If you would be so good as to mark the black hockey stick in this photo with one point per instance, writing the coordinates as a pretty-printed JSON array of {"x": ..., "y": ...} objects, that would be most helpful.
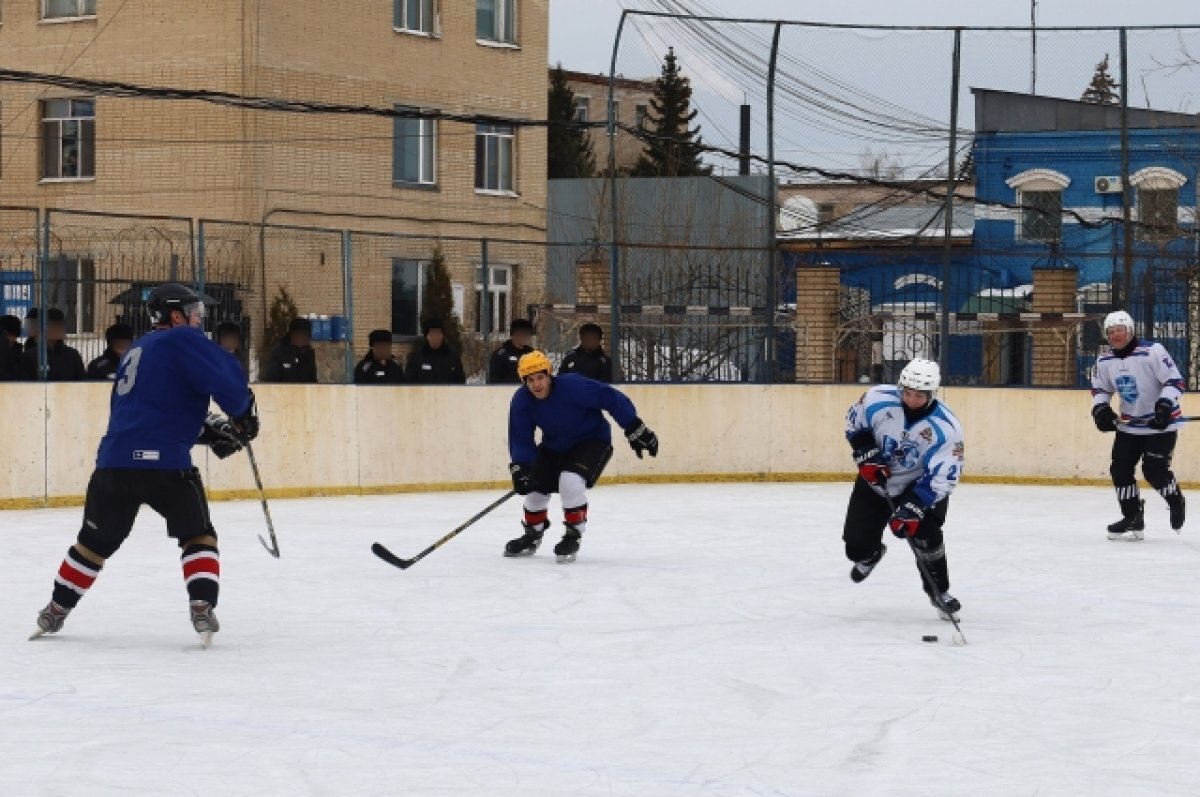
[
  {"x": 1141, "y": 423},
  {"x": 927, "y": 577},
  {"x": 273, "y": 548},
  {"x": 404, "y": 564}
]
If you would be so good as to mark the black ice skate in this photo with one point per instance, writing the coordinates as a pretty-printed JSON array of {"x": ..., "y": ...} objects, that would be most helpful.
[
  {"x": 568, "y": 546},
  {"x": 1130, "y": 527},
  {"x": 204, "y": 621},
  {"x": 50, "y": 620},
  {"x": 860, "y": 570},
  {"x": 525, "y": 545},
  {"x": 1177, "y": 504},
  {"x": 947, "y": 605}
]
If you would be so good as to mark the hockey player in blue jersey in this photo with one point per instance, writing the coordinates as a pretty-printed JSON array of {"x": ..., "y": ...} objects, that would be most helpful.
[
  {"x": 909, "y": 450},
  {"x": 159, "y": 410},
  {"x": 1149, "y": 384},
  {"x": 576, "y": 445}
]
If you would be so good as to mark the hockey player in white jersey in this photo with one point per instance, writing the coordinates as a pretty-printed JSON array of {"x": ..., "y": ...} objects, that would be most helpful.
[
  {"x": 909, "y": 450},
  {"x": 1149, "y": 384}
]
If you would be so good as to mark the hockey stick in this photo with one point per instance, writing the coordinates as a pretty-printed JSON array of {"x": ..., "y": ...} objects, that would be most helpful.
[
  {"x": 1143, "y": 423},
  {"x": 927, "y": 577},
  {"x": 273, "y": 548},
  {"x": 404, "y": 564}
]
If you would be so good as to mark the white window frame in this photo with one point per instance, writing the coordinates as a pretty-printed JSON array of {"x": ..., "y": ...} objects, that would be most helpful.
[
  {"x": 1037, "y": 181},
  {"x": 85, "y": 9},
  {"x": 58, "y": 292},
  {"x": 427, "y": 27},
  {"x": 583, "y": 108},
  {"x": 59, "y": 122},
  {"x": 506, "y": 16},
  {"x": 501, "y": 315},
  {"x": 1157, "y": 178},
  {"x": 641, "y": 113},
  {"x": 504, "y": 141},
  {"x": 1022, "y": 199},
  {"x": 427, "y": 140}
]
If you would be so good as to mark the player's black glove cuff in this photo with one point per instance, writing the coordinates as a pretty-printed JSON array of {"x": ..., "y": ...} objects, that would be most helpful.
[
  {"x": 246, "y": 424},
  {"x": 641, "y": 438},
  {"x": 1164, "y": 409},
  {"x": 522, "y": 478},
  {"x": 220, "y": 436},
  {"x": 1105, "y": 418}
]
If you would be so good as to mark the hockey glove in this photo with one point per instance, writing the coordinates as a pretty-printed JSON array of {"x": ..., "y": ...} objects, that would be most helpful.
[
  {"x": 641, "y": 438},
  {"x": 906, "y": 520},
  {"x": 522, "y": 477},
  {"x": 246, "y": 424},
  {"x": 871, "y": 467},
  {"x": 1163, "y": 410},
  {"x": 219, "y": 435},
  {"x": 1105, "y": 418}
]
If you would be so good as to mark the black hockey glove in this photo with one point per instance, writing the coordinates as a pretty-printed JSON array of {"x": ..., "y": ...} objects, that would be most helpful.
[
  {"x": 906, "y": 520},
  {"x": 871, "y": 467},
  {"x": 1105, "y": 418},
  {"x": 1163, "y": 410},
  {"x": 641, "y": 438},
  {"x": 522, "y": 476},
  {"x": 246, "y": 424},
  {"x": 219, "y": 435}
]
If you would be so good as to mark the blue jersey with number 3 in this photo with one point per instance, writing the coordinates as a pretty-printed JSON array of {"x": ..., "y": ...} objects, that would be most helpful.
[{"x": 161, "y": 397}]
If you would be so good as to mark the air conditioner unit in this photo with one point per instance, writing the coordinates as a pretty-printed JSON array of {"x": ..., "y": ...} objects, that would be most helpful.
[{"x": 1108, "y": 185}]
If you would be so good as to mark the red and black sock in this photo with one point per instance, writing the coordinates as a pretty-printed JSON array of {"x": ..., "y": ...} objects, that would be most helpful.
[
  {"x": 75, "y": 576},
  {"x": 202, "y": 572}
]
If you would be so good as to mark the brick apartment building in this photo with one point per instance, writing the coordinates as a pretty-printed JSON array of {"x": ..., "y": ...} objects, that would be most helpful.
[
  {"x": 195, "y": 160},
  {"x": 632, "y": 98}
]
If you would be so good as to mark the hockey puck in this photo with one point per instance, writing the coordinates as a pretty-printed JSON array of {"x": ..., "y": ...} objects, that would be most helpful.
[{"x": 929, "y": 638}]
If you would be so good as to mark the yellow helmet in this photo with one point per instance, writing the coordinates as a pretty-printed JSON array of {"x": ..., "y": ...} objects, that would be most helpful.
[{"x": 532, "y": 363}]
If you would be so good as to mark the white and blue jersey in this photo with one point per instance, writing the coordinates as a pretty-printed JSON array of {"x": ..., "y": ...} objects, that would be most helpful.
[
  {"x": 925, "y": 457},
  {"x": 1140, "y": 375},
  {"x": 571, "y": 414},
  {"x": 161, "y": 396}
]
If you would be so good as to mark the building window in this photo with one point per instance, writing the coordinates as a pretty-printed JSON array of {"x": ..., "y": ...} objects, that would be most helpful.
[
  {"x": 494, "y": 150},
  {"x": 616, "y": 111},
  {"x": 408, "y": 288},
  {"x": 640, "y": 114},
  {"x": 68, "y": 139},
  {"x": 1158, "y": 213},
  {"x": 71, "y": 287},
  {"x": 414, "y": 16},
  {"x": 1041, "y": 215},
  {"x": 414, "y": 150},
  {"x": 825, "y": 213},
  {"x": 499, "y": 291},
  {"x": 68, "y": 9},
  {"x": 582, "y": 104},
  {"x": 496, "y": 21}
]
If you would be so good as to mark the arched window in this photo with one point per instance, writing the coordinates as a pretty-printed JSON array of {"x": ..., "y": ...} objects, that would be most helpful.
[
  {"x": 1039, "y": 197},
  {"x": 1157, "y": 202}
]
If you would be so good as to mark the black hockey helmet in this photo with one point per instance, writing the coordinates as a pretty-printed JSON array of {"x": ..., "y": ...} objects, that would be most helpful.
[{"x": 172, "y": 296}]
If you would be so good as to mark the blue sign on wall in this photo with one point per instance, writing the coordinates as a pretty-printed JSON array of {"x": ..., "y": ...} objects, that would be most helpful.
[{"x": 17, "y": 292}]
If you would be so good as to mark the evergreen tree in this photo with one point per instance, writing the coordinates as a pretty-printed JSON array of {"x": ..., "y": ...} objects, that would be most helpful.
[
  {"x": 280, "y": 315},
  {"x": 1103, "y": 90},
  {"x": 437, "y": 300},
  {"x": 673, "y": 147},
  {"x": 569, "y": 146}
]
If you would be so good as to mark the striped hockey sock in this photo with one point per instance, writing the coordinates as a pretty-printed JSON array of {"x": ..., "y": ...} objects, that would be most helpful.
[
  {"x": 75, "y": 576},
  {"x": 202, "y": 572},
  {"x": 576, "y": 517},
  {"x": 536, "y": 519}
]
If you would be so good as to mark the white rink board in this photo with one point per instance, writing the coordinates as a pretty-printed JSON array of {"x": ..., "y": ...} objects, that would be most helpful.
[{"x": 708, "y": 642}]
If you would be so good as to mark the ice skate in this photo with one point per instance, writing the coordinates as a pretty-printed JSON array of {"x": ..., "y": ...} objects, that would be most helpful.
[
  {"x": 568, "y": 546},
  {"x": 50, "y": 620},
  {"x": 525, "y": 545},
  {"x": 204, "y": 621},
  {"x": 1130, "y": 527},
  {"x": 947, "y": 606},
  {"x": 1177, "y": 505},
  {"x": 860, "y": 570}
]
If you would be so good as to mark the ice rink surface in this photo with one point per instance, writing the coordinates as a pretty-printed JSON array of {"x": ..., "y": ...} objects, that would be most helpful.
[{"x": 707, "y": 642}]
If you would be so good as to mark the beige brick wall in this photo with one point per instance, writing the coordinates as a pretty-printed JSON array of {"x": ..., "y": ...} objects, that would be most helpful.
[
  {"x": 1054, "y": 342},
  {"x": 628, "y": 96}
]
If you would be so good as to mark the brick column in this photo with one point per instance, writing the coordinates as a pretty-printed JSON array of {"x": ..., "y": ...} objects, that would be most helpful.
[
  {"x": 593, "y": 284},
  {"x": 1054, "y": 342},
  {"x": 818, "y": 292}
]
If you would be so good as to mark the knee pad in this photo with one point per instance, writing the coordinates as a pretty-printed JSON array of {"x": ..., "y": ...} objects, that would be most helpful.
[
  {"x": 95, "y": 545},
  {"x": 572, "y": 488},
  {"x": 1122, "y": 472},
  {"x": 1157, "y": 469},
  {"x": 537, "y": 502}
]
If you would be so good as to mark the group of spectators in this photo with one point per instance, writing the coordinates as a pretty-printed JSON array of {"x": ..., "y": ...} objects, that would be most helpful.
[
  {"x": 587, "y": 359},
  {"x": 64, "y": 363}
]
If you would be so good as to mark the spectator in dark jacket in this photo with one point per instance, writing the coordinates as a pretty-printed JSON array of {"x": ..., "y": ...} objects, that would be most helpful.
[
  {"x": 31, "y": 329},
  {"x": 65, "y": 363},
  {"x": 379, "y": 367},
  {"x": 229, "y": 337},
  {"x": 293, "y": 359},
  {"x": 10, "y": 347},
  {"x": 588, "y": 358},
  {"x": 434, "y": 362},
  {"x": 119, "y": 338},
  {"x": 502, "y": 368}
]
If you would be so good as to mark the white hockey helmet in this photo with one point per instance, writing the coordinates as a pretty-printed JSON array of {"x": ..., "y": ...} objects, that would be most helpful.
[
  {"x": 1117, "y": 318},
  {"x": 921, "y": 375}
]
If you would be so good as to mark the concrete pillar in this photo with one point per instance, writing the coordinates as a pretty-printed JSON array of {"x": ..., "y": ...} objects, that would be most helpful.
[
  {"x": 818, "y": 293},
  {"x": 1054, "y": 348}
]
